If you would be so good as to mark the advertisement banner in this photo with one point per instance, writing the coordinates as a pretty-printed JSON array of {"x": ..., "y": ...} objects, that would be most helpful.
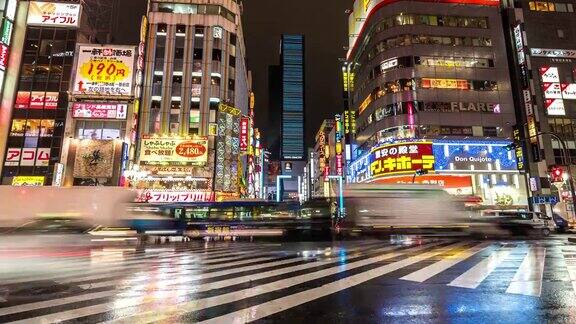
[
  {"x": 552, "y": 90},
  {"x": 244, "y": 131},
  {"x": 549, "y": 74},
  {"x": 99, "y": 110},
  {"x": 473, "y": 157},
  {"x": 105, "y": 70},
  {"x": 444, "y": 84},
  {"x": 401, "y": 158},
  {"x": 152, "y": 196},
  {"x": 94, "y": 159},
  {"x": 454, "y": 184},
  {"x": 28, "y": 181},
  {"x": 4, "y": 51},
  {"x": 28, "y": 156},
  {"x": 568, "y": 91},
  {"x": 553, "y": 52},
  {"x": 554, "y": 107},
  {"x": 155, "y": 150},
  {"x": 36, "y": 100},
  {"x": 53, "y": 14}
]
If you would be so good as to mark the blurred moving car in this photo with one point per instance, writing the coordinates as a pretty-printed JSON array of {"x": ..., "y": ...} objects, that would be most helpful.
[
  {"x": 402, "y": 209},
  {"x": 514, "y": 222}
]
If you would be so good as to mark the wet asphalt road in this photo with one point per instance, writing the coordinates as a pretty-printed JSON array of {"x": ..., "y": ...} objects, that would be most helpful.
[{"x": 361, "y": 281}]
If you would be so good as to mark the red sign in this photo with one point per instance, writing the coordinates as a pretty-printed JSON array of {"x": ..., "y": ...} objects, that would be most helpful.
[
  {"x": 28, "y": 156},
  {"x": 244, "y": 122},
  {"x": 339, "y": 164},
  {"x": 36, "y": 100},
  {"x": 99, "y": 110},
  {"x": 190, "y": 149},
  {"x": 4, "y": 50},
  {"x": 401, "y": 158}
]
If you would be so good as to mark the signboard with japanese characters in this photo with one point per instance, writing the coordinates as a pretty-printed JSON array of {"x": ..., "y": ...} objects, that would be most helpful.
[
  {"x": 53, "y": 14},
  {"x": 155, "y": 150},
  {"x": 401, "y": 158},
  {"x": 36, "y": 100},
  {"x": 27, "y": 156},
  {"x": 28, "y": 181},
  {"x": 106, "y": 70},
  {"x": 568, "y": 91},
  {"x": 554, "y": 107},
  {"x": 549, "y": 74},
  {"x": 552, "y": 90},
  {"x": 553, "y": 52},
  {"x": 152, "y": 196},
  {"x": 244, "y": 131},
  {"x": 99, "y": 110}
]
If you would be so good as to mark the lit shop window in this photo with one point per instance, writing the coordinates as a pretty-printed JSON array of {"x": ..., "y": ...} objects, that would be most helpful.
[
  {"x": 408, "y": 40},
  {"x": 551, "y": 6},
  {"x": 431, "y": 20},
  {"x": 32, "y": 127}
]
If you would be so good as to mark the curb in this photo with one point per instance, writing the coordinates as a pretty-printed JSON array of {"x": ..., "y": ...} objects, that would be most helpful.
[{"x": 572, "y": 239}]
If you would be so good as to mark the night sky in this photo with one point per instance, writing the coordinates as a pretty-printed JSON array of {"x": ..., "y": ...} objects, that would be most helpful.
[{"x": 324, "y": 24}]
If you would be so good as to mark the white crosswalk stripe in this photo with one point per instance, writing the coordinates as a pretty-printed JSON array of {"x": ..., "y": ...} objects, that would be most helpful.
[
  {"x": 263, "y": 282},
  {"x": 473, "y": 277},
  {"x": 528, "y": 278}
]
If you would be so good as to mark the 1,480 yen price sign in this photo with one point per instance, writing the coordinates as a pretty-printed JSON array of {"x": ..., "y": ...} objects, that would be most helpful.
[{"x": 107, "y": 71}]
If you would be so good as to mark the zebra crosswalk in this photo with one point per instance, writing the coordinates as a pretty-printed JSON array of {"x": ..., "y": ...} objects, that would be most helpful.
[{"x": 246, "y": 282}]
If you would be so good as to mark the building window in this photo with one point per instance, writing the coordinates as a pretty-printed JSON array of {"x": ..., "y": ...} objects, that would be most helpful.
[
  {"x": 216, "y": 54},
  {"x": 198, "y": 53},
  {"x": 560, "y": 33}
]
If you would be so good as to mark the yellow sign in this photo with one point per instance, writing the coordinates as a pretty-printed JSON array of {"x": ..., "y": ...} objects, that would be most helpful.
[
  {"x": 174, "y": 150},
  {"x": 366, "y": 4},
  {"x": 348, "y": 78},
  {"x": 365, "y": 104},
  {"x": 229, "y": 109},
  {"x": 105, "y": 70},
  {"x": 212, "y": 129},
  {"x": 33, "y": 181},
  {"x": 252, "y": 100},
  {"x": 444, "y": 83}
]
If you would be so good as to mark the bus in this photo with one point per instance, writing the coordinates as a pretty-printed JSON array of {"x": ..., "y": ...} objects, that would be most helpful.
[{"x": 232, "y": 218}]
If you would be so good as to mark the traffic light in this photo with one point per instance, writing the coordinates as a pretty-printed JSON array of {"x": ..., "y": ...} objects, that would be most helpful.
[
  {"x": 512, "y": 146},
  {"x": 556, "y": 174}
]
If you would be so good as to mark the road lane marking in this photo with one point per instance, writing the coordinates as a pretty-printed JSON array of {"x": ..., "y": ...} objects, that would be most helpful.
[
  {"x": 170, "y": 279},
  {"x": 277, "y": 305},
  {"x": 528, "y": 278},
  {"x": 435, "y": 268},
  {"x": 475, "y": 275},
  {"x": 143, "y": 300}
]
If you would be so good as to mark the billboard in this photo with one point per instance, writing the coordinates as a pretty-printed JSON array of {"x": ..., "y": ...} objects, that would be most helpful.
[
  {"x": 104, "y": 70},
  {"x": 27, "y": 156},
  {"x": 552, "y": 90},
  {"x": 155, "y": 150},
  {"x": 554, "y": 107},
  {"x": 99, "y": 110},
  {"x": 30, "y": 181},
  {"x": 53, "y": 14},
  {"x": 401, "y": 158},
  {"x": 36, "y": 100},
  {"x": 549, "y": 74},
  {"x": 482, "y": 156},
  {"x": 244, "y": 133}
]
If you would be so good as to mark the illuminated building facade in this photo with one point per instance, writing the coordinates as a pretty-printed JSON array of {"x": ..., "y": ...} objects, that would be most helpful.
[
  {"x": 431, "y": 81},
  {"x": 542, "y": 47},
  {"x": 36, "y": 90},
  {"x": 293, "y": 111},
  {"x": 195, "y": 93}
]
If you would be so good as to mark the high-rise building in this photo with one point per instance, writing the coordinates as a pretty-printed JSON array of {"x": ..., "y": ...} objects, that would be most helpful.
[
  {"x": 293, "y": 102},
  {"x": 431, "y": 92},
  {"x": 36, "y": 91},
  {"x": 542, "y": 44},
  {"x": 195, "y": 91}
]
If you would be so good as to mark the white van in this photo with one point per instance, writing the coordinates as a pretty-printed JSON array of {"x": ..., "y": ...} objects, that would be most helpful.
[{"x": 516, "y": 222}]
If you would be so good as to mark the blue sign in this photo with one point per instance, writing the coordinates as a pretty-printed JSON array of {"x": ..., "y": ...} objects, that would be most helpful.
[
  {"x": 544, "y": 200},
  {"x": 473, "y": 156}
]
